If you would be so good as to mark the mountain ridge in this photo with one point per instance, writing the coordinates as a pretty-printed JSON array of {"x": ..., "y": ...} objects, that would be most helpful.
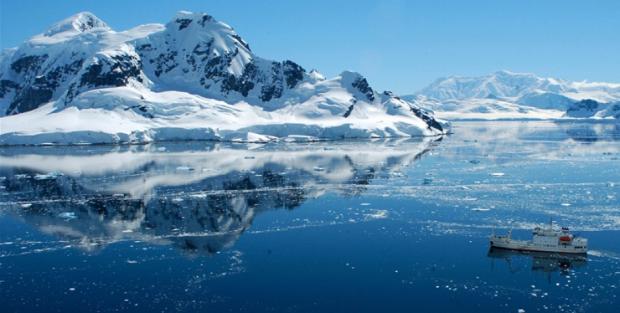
[
  {"x": 506, "y": 94},
  {"x": 220, "y": 90}
]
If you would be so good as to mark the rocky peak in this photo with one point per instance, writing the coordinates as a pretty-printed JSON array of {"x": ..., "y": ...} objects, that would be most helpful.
[
  {"x": 81, "y": 22},
  {"x": 204, "y": 27},
  {"x": 358, "y": 84}
]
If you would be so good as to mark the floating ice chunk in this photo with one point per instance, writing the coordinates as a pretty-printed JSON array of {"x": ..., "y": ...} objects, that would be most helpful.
[
  {"x": 497, "y": 174},
  {"x": 318, "y": 169},
  {"x": 364, "y": 204},
  {"x": 72, "y": 289},
  {"x": 480, "y": 209},
  {"x": 67, "y": 215},
  {"x": 184, "y": 168},
  {"x": 46, "y": 176},
  {"x": 132, "y": 262},
  {"x": 565, "y": 204},
  {"x": 378, "y": 214},
  {"x": 26, "y": 205}
]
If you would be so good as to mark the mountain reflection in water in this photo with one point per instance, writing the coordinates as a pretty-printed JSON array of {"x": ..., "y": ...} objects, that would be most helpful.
[{"x": 197, "y": 198}]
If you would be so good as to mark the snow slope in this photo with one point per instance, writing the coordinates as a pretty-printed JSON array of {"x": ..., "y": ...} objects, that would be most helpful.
[
  {"x": 508, "y": 95},
  {"x": 193, "y": 78}
]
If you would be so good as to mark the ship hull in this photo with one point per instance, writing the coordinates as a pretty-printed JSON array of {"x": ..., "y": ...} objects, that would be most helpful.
[{"x": 519, "y": 245}]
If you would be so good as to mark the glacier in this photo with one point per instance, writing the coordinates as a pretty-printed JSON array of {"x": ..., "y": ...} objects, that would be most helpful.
[{"x": 194, "y": 78}]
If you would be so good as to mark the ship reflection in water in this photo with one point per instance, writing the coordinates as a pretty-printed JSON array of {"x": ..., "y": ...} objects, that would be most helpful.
[{"x": 547, "y": 262}]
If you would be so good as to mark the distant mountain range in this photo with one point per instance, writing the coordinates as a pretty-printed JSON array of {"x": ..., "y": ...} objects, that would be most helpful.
[
  {"x": 194, "y": 78},
  {"x": 505, "y": 94}
]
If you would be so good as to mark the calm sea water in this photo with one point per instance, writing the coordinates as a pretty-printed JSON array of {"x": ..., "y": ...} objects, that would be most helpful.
[{"x": 383, "y": 226}]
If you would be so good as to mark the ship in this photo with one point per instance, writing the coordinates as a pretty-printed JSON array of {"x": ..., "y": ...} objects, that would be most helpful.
[{"x": 544, "y": 239}]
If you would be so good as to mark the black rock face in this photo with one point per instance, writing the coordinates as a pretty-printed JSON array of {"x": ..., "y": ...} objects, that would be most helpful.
[
  {"x": 241, "y": 41},
  {"x": 118, "y": 70},
  {"x": 293, "y": 73},
  {"x": 7, "y": 86},
  {"x": 587, "y": 104},
  {"x": 349, "y": 110},
  {"x": 429, "y": 120},
  {"x": 114, "y": 71},
  {"x": 183, "y": 22},
  {"x": 38, "y": 85},
  {"x": 28, "y": 64},
  {"x": 242, "y": 84},
  {"x": 165, "y": 62},
  {"x": 205, "y": 19},
  {"x": 362, "y": 85},
  {"x": 275, "y": 89},
  {"x": 29, "y": 99}
]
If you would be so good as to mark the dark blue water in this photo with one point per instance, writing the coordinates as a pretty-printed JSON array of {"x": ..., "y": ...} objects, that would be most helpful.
[{"x": 391, "y": 226}]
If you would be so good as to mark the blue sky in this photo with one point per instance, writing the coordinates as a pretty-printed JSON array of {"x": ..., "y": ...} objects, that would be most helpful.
[{"x": 398, "y": 45}]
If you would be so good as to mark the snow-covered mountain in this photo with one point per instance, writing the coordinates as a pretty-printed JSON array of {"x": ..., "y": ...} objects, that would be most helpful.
[
  {"x": 192, "y": 78},
  {"x": 505, "y": 94}
]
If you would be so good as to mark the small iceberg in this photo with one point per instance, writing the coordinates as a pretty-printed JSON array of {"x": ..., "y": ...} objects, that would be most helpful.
[
  {"x": 67, "y": 215},
  {"x": 378, "y": 214},
  {"x": 480, "y": 209},
  {"x": 51, "y": 175},
  {"x": 184, "y": 168}
]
